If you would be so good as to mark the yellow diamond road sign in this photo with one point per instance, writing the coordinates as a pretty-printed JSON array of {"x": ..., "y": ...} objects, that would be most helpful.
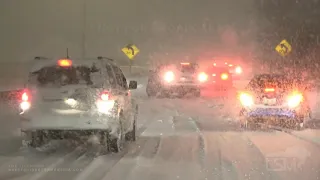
[
  {"x": 283, "y": 48},
  {"x": 130, "y": 51}
]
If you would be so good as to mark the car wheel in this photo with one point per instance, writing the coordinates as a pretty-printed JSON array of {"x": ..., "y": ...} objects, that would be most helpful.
[
  {"x": 150, "y": 93},
  {"x": 248, "y": 125},
  {"x": 300, "y": 124},
  {"x": 197, "y": 93},
  {"x": 115, "y": 143},
  {"x": 37, "y": 139},
  {"x": 131, "y": 135}
]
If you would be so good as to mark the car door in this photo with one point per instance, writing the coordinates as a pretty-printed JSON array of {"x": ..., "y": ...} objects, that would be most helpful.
[{"x": 125, "y": 97}]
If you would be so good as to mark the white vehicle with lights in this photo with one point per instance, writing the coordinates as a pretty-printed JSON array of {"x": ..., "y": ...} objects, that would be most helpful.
[
  {"x": 180, "y": 79},
  {"x": 274, "y": 98},
  {"x": 70, "y": 98}
]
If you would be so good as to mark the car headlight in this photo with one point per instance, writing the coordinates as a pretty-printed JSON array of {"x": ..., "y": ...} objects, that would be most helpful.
[
  {"x": 246, "y": 99},
  {"x": 169, "y": 76},
  {"x": 294, "y": 100},
  {"x": 202, "y": 77}
]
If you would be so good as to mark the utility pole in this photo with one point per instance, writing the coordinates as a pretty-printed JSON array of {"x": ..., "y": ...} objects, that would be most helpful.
[{"x": 84, "y": 28}]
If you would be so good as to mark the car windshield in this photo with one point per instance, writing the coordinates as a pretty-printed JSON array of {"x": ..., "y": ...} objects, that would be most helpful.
[
  {"x": 188, "y": 68},
  {"x": 273, "y": 81}
]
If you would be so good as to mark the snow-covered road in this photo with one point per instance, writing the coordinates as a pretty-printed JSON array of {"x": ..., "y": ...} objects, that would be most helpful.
[{"x": 189, "y": 139}]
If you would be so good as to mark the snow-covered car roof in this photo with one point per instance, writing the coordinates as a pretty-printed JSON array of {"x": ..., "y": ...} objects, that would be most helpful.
[{"x": 42, "y": 62}]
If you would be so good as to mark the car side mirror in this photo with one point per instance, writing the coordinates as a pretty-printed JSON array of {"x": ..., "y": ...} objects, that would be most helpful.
[{"x": 133, "y": 85}]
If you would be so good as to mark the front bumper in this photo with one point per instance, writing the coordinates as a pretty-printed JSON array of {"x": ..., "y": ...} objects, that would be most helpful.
[
  {"x": 266, "y": 113},
  {"x": 270, "y": 113}
]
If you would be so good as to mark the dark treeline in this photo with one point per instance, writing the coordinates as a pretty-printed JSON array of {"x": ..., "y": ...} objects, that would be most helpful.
[{"x": 294, "y": 20}]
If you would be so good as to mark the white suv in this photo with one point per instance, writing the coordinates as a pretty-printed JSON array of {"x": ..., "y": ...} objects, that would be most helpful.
[{"x": 76, "y": 97}]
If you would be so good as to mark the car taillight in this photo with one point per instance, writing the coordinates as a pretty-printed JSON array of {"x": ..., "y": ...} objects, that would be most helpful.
[
  {"x": 105, "y": 103},
  {"x": 294, "y": 100},
  {"x": 224, "y": 76},
  {"x": 246, "y": 99},
  {"x": 25, "y": 101},
  {"x": 25, "y": 96},
  {"x": 169, "y": 76},
  {"x": 202, "y": 77},
  {"x": 238, "y": 70},
  {"x": 104, "y": 96}
]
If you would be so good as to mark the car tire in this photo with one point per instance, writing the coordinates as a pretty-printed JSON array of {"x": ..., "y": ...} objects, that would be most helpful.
[
  {"x": 197, "y": 93},
  {"x": 301, "y": 125},
  {"x": 115, "y": 144},
  {"x": 131, "y": 135},
  {"x": 37, "y": 139},
  {"x": 248, "y": 125},
  {"x": 150, "y": 93}
]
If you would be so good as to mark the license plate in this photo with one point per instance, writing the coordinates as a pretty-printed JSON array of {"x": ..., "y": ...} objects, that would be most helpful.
[
  {"x": 182, "y": 79},
  {"x": 268, "y": 101}
]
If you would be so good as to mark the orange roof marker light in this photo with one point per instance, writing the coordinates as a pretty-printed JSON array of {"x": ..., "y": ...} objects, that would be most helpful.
[
  {"x": 65, "y": 63},
  {"x": 269, "y": 90}
]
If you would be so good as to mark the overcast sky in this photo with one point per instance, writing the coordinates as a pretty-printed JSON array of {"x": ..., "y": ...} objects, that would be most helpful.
[{"x": 47, "y": 27}]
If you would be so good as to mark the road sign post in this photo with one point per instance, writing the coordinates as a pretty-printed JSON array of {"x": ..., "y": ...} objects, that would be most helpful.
[{"x": 130, "y": 51}]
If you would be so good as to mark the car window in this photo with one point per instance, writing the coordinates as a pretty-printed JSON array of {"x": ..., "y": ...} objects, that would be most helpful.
[
  {"x": 120, "y": 78},
  {"x": 277, "y": 81},
  {"x": 110, "y": 72},
  {"x": 188, "y": 68}
]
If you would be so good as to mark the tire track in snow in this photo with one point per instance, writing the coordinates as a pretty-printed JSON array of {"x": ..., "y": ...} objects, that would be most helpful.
[
  {"x": 290, "y": 132},
  {"x": 127, "y": 164},
  {"x": 58, "y": 162}
]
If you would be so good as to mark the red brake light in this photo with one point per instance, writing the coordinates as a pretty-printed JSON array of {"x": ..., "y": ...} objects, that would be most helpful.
[
  {"x": 224, "y": 76},
  {"x": 238, "y": 70},
  {"x": 105, "y": 96},
  {"x": 25, "y": 101},
  {"x": 269, "y": 89},
  {"x": 203, "y": 77},
  {"x": 25, "y": 96},
  {"x": 64, "y": 62}
]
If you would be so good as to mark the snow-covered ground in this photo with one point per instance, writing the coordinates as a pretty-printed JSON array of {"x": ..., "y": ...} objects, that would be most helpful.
[{"x": 191, "y": 138}]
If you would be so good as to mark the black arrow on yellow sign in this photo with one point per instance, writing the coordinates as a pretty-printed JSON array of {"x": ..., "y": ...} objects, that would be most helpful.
[
  {"x": 284, "y": 47},
  {"x": 130, "y": 48}
]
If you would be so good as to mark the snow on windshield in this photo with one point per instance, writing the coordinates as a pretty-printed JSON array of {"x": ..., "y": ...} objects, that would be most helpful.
[{"x": 58, "y": 76}]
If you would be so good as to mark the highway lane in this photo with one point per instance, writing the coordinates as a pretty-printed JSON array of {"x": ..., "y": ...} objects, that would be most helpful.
[{"x": 192, "y": 138}]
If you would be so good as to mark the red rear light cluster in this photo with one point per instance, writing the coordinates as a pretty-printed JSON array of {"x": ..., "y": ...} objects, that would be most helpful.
[
  {"x": 105, "y": 96},
  {"x": 202, "y": 77},
  {"x": 25, "y": 101},
  {"x": 238, "y": 70},
  {"x": 105, "y": 103},
  {"x": 25, "y": 96},
  {"x": 224, "y": 76}
]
